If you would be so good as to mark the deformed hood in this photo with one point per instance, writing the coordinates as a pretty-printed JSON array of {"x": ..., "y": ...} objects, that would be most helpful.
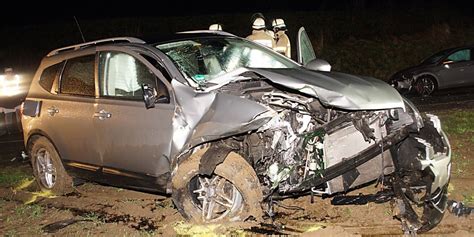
[{"x": 336, "y": 89}]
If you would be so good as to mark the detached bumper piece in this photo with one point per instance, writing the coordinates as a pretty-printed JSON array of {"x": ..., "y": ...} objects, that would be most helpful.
[{"x": 459, "y": 209}]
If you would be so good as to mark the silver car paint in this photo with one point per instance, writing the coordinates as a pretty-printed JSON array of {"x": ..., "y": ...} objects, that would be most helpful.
[
  {"x": 146, "y": 146},
  {"x": 333, "y": 89},
  {"x": 71, "y": 123},
  {"x": 439, "y": 163},
  {"x": 206, "y": 116},
  {"x": 202, "y": 116}
]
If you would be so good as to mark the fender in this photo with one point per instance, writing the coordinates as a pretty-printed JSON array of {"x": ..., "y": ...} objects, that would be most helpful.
[{"x": 215, "y": 155}]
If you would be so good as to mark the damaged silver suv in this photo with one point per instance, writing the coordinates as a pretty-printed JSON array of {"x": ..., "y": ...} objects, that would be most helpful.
[{"x": 225, "y": 126}]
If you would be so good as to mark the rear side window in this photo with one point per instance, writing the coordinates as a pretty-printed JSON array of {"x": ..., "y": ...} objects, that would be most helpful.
[
  {"x": 78, "y": 76},
  {"x": 49, "y": 77}
]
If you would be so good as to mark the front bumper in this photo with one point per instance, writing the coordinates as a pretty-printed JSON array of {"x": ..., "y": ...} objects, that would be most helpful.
[{"x": 438, "y": 162}]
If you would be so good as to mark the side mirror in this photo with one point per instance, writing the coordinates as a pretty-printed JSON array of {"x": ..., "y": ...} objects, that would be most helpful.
[
  {"x": 149, "y": 96},
  {"x": 318, "y": 65},
  {"x": 446, "y": 63}
]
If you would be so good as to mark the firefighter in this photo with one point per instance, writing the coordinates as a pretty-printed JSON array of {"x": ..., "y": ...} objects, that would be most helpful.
[
  {"x": 259, "y": 34},
  {"x": 282, "y": 41}
]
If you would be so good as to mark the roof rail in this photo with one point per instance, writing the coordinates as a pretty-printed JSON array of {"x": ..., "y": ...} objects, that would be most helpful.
[
  {"x": 215, "y": 32},
  {"x": 78, "y": 46}
]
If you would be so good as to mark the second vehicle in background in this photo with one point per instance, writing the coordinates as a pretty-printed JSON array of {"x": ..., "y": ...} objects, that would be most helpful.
[{"x": 448, "y": 68}]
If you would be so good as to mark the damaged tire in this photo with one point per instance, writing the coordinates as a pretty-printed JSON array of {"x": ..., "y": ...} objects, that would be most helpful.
[
  {"x": 231, "y": 193},
  {"x": 48, "y": 169}
]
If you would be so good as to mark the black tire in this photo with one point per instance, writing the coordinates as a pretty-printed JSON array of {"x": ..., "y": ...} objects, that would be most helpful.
[
  {"x": 425, "y": 85},
  {"x": 237, "y": 175},
  {"x": 48, "y": 169}
]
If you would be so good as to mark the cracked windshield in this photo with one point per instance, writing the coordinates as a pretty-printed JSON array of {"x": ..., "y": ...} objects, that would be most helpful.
[{"x": 205, "y": 59}]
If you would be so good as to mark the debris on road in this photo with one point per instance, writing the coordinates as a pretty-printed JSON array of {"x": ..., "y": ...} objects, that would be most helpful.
[
  {"x": 55, "y": 226},
  {"x": 379, "y": 197},
  {"x": 459, "y": 209}
]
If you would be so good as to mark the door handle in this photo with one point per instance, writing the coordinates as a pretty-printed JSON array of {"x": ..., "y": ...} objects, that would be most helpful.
[
  {"x": 102, "y": 114},
  {"x": 52, "y": 111}
]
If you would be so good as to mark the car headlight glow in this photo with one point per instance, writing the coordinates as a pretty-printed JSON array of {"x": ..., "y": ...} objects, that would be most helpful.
[{"x": 9, "y": 87}]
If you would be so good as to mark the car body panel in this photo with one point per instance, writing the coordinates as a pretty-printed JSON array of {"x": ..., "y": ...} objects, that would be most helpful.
[
  {"x": 146, "y": 146},
  {"x": 134, "y": 138},
  {"x": 71, "y": 124},
  {"x": 206, "y": 116},
  {"x": 333, "y": 89}
]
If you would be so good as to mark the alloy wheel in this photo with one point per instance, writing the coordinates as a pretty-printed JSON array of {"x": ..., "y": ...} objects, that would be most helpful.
[
  {"x": 45, "y": 168},
  {"x": 216, "y": 197}
]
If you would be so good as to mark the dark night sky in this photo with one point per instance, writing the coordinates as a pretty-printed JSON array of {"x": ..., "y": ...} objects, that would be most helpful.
[
  {"x": 14, "y": 12},
  {"x": 32, "y": 23}
]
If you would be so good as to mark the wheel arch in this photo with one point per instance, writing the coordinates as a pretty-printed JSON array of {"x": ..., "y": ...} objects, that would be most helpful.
[
  {"x": 180, "y": 179},
  {"x": 33, "y": 135},
  {"x": 217, "y": 152}
]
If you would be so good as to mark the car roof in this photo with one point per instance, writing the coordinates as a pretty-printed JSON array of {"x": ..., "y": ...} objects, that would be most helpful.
[
  {"x": 456, "y": 48},
  {"x": 136, "y": 41}
]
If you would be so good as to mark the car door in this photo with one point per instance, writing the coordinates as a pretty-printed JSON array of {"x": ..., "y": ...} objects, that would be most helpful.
[
  {"x": 68, "y": 115},
  {"x": 458, "y": 69},
  {"x": 134, "y": 140},
  {"x": 304, "y": 48}
]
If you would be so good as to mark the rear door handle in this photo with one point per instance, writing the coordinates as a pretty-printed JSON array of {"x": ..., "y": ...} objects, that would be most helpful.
[
  {"x": 52, "y": 111},
  {"x": 102, "y": 114}
]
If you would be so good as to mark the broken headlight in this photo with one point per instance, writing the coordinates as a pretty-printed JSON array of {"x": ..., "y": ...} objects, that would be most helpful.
[{"x": 413, "y": 111}]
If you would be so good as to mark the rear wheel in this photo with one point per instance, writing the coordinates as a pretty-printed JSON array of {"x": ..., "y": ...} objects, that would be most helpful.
[
  {"x": 48, "y": 168},
  {"x": 231, "y": 193}
]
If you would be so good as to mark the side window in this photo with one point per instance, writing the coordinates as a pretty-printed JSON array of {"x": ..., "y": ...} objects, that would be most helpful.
[
  {"x": 305, "y": 51},
  {"x": 78, "y": 76},
  {"x": 158, "y": 66},
  {"x": 461, "y": 55},
  {"x": 121, "y": 76},
  {"x": 49, "y": 77}
]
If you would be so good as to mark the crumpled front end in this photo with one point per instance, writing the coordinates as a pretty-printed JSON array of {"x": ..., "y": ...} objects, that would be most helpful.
[{"x": 297, "y": 143}]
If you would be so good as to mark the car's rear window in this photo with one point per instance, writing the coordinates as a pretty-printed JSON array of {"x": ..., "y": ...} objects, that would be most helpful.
[
  {"x": 78, "y": 76},
  {"x": 49, "y": 75}
]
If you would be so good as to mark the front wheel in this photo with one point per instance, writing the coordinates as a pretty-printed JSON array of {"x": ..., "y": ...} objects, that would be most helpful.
[
  {"x": 231, "y": 193},
  {"x": 425, "y": 85}
]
